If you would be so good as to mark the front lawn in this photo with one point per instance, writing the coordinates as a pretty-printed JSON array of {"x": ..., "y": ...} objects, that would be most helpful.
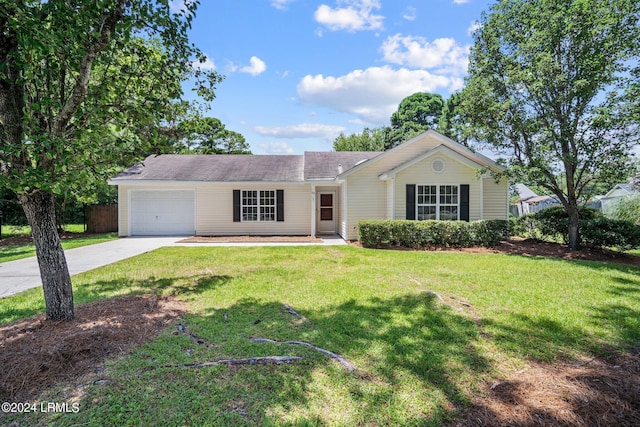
[
  {"x": 17, "y": 244},
  {"x": 424, "y": 330}
]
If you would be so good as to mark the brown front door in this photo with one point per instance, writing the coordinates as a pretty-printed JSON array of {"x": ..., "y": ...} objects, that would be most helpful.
[{"x": 326, "y": 212}]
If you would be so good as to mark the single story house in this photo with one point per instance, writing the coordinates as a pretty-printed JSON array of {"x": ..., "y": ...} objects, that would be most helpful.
[{"x": 427, "y": 177}]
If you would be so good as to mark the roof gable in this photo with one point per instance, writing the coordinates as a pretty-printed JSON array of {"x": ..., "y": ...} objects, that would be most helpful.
[
  {"x": 440, "y": 149},
  {"x": 438, "y": 139}
]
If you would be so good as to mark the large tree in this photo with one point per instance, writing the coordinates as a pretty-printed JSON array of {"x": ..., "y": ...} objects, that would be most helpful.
[
  {"x": 416, "y": 113},
  {"x": 548, "y": 86},
  {"x": 208, "y": 135},
  {"x": 81, "y": 84},
  {"x": 367, "y": 140}
]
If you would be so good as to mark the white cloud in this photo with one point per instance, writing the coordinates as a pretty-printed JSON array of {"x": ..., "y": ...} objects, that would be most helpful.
[
  {"x": 179, "y": 7},
  {"x": 303, "y": 130},
  {"x": 460, "y": 1},
  {"x": 256, "y": 67},
  {"x": 409, "y": 13},
  {"x": 443, "y": 55},
  {"x": 350, "y": 15},
  {"x": 372, "y": 94},
  {"x": 277, "y": 148},
  {"x": 208, "y": 64},
  {"x": 475, "y": 26},
  {"x": 281, "y": 4}
]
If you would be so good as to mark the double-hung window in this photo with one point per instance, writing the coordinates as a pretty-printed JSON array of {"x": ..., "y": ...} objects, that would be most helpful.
[
  {"x": 258, "y": 205},
  {"x": 437, "y": 202}
]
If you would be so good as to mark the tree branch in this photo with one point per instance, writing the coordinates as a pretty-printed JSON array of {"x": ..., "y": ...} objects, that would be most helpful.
[{"x": 79, "y": 94}]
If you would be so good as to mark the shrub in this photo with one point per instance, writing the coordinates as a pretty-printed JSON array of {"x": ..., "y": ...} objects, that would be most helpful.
[
  {"x": 417, "y": 234},
  {"x": 554, "y": 221},
  {"x": 607, "y": 232},
  {"x": 628, "y": 209}
]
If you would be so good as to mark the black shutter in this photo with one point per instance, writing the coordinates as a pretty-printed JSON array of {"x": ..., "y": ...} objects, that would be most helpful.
[
  {"x": 411, "y": 201},
  {"x": 464, "y": 202},
  {"x": 280, "y": 205},
  {"x": 236, "y": 205}
]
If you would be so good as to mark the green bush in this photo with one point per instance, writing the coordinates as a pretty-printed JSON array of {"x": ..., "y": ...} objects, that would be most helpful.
[
  {"x": 554, "y": 221},
  {"x": 607, "y": 232},
  {"x": 628, "y": 209},
  {"x": 418, "y": 234}
]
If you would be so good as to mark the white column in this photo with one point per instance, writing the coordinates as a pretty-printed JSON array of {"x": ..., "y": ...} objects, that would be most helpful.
[{"x": 313, "y": 211}]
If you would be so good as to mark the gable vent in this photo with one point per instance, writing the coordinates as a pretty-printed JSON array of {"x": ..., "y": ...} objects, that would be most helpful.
[{"x": 438, "y": 165}]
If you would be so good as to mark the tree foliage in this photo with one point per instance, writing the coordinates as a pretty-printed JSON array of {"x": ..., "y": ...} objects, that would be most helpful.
[
  {"x": 83, "y": 85},
  {"x": 208, "y": 135},
  {"x": 549, "y": 85},
  {"x": 367, "y": 140},
  {"x": 416, "y": 113}
]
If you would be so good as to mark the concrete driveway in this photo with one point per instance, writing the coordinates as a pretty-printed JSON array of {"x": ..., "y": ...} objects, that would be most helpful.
[{"x": 23, "y": 274}]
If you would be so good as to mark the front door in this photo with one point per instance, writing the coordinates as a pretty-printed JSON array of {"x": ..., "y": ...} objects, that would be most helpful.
[{"x": 326, "y": 212}]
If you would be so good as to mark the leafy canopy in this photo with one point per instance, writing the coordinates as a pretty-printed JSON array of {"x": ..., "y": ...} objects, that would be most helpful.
[
  {"x": 549, "y": 86},
  {"x": 85, "y": 86}
]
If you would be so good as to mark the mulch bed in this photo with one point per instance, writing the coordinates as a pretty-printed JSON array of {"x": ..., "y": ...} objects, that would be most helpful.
[
  {"x": 36, "y": 354},
  {"x": 598, "y": 392}
]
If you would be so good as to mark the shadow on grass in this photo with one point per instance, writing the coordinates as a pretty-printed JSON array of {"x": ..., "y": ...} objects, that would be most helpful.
[
  {"x": 414, "y": 357},
  {"x": 15, "y": 307}
]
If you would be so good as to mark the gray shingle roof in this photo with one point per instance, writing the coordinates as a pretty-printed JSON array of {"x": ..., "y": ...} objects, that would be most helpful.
[
  {"x": 327, "y": 165},
  {"x": 245, "y": 168},
  {"x": 217, "y": 168}
]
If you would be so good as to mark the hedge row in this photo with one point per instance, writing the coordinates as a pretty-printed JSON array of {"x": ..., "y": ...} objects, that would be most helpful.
[
  {"x": 418, "y": 234},
  {"x": 596, "y": 231}
]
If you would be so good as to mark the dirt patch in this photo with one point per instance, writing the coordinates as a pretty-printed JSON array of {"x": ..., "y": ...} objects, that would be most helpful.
[
  {"x": 36, "y": 354},
  {"x": 533, "y": 248},
  {"x": 599, "y": 392},
  {"x": 251, "y": 239}
]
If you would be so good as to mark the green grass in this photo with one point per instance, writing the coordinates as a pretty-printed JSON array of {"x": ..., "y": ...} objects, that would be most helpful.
[
  {"x": 12, "y": 253},
  {"x": 418, "y": 359}
]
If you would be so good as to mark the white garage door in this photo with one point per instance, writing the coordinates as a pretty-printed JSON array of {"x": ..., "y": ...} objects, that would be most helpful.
[{"x": 162, "y": 213}]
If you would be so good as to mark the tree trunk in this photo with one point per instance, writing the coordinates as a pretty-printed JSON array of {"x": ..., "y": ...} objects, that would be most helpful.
[
  {"x": 39, "y": 206},
  {"x": 574, "y": 236}
]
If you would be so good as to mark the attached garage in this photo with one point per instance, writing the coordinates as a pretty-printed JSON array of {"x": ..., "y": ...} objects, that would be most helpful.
[{"x": 162, "y": 212}]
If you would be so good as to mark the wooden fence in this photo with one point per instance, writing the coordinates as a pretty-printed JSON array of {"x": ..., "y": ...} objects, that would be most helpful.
[{"x": 102, "y": 218}]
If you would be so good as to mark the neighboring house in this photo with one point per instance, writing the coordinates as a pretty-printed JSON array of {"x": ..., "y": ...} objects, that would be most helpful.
[
  {"x": 523, "y": 193},
  {"x": 530, "y": 202},
  {"x": 427, "y": 177},
  {"x": 610, "y": 200}
]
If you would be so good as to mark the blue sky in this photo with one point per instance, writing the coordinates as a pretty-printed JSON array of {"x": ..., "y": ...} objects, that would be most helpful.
[{"x": 299, "y": 72}]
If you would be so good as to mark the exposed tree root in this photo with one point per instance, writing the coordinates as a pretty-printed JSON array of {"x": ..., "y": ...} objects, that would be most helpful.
[
  {"x": 267, "y": 360},
  {"x": 198, "y": 340},
  {"x": 344, "y": 362},
  {"x": 291, "y": 311}
]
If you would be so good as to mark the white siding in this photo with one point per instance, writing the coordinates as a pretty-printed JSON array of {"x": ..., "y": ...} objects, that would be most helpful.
[
  {"x": 495, "y": 204},
  {"x": 455, "y": 173},
  {"x": 214, "y": 211}
]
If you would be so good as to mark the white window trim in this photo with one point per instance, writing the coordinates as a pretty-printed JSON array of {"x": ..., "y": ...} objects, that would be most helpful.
[
  {"x": 438, "y": 204},
  {"x": 258, "y": 206}
]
